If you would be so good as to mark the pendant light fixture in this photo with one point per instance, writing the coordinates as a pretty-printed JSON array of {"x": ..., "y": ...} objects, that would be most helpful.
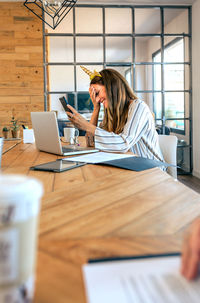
[{"x": 52, "y": 12}]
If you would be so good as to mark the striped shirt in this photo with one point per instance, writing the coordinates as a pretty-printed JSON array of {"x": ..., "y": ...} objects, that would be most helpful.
[{"x": 139, "y": 134}]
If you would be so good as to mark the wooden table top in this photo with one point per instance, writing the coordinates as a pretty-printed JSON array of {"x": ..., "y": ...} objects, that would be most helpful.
[
  {"x": 100, "y": 211},
  {"x": 9, "y": 144}
]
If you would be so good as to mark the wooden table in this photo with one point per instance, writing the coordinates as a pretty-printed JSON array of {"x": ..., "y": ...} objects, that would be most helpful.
[
  {"x": 9, "y": 144},
  {"x": 99, "y": 211}
]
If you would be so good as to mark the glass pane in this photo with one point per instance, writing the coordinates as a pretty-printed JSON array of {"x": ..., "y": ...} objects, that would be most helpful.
[
  {"x": 174, "y": 105},
  {"x": 157, "y": 101},
  {"x": 187, "y": 105},
  {"x": 125, "y": 71},
  {"x": 61, "y": 78},
  {"x": 176, "y": 49},
  {"x": 89, "y": 49},
  {"x": 60, "y": 49},
  {"x": 118, "y": 49},
  {"x": 186, "y": 49},
  {"x": 177, "y": 106},
  {"x": 157, "y": 77},
  {"x": 177, "y": 77},
  {"x": 144, "y": 79},
  {"x": 83, "y": 80},
  {"x": 158, "y": 123},
  {"x": 55, "y": 105},
  {"x": 157, "y": 57},
  {"x": 93, "y": 24},
  {"x": 175, "y": 21},
  {"x": 147, "y": 20},
  {"x": 84, "y": 103},
  {"x": 128, "y": 75},
  {"x": 147, "y": 98},
  {"x": 118, "y": 20},
  {"x": 65, "y": 26},
  {"x": 174, "y": 77},
  {"x": 71, "y": 99},
  {"x": 146, "y": 48},
  {"x": 176, "y": 124}
]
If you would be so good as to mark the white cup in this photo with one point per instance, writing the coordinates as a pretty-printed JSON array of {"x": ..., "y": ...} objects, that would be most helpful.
[
  {"x": 19, "y": 213},
  {"x": 71, "y": 134}
]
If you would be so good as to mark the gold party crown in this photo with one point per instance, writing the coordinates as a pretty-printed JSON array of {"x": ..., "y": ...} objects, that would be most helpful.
[{"x": 91, "y": 74}]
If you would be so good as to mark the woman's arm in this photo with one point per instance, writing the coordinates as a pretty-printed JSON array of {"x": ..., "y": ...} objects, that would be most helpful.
[
  {"x": 95, "y": 117},
  {"x": 89, "y": 137},
  {"x": 80, "y": 122}
]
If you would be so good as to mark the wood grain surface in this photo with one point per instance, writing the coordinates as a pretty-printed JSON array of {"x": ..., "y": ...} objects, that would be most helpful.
[
  {"x": 21, "y": 63},
  {"x": 99, "y": 211}
]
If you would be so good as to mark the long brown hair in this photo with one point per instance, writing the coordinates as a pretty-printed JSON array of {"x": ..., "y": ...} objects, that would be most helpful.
[{"x": 119, "y": 95}]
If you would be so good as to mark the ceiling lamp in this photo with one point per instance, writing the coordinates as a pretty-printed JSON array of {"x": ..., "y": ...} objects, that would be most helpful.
[{"x": 51, "y": 12}]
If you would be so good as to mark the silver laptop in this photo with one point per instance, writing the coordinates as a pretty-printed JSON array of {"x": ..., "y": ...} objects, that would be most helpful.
[{"x": 47, "y": 137}]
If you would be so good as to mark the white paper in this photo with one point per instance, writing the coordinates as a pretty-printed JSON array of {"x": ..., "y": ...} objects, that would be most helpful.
[
  {"x": 28, "y": 136},
  {"x": 98, "y": 157},
  {"x": 153, "y": 280}
]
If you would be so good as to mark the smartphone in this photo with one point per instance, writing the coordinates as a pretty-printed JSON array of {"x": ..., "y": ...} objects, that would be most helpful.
[{"x": 64, "y": 103}]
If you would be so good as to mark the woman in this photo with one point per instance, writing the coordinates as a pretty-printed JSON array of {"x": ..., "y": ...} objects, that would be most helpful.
[{"x": 128, "y": 123}]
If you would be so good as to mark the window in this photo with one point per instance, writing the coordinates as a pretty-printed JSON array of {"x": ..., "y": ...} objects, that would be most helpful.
[
  {"x": 97, "y": 41},
  {"x": 149, "y": 45},
  {"x": 173, "y": 84},
  {"x": 128, "y": 76}
]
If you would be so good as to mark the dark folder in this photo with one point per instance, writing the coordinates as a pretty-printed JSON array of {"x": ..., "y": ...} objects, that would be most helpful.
[
  {"x": 136, "y": 163},
  {"x": 122, "y": 258}
]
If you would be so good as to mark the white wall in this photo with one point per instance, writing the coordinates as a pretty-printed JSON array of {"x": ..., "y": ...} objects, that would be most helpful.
[{"x": 196, "y": 86}]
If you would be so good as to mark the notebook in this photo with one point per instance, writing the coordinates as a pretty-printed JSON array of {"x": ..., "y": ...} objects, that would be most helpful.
[
  {"x": 47, "y": 137},
  {"x": 126, "y": 161}
]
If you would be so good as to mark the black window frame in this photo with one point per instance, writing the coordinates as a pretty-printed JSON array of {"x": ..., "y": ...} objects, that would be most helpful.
[{"x": 174, "y": 130}]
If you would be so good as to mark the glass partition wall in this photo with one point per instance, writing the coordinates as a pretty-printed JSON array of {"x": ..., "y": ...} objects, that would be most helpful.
[{"x": 149, "y": 45}]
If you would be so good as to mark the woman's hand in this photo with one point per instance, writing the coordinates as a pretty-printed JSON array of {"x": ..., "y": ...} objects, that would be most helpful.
[
  {"x": 191, "y": 252},
  {"x": 79, "y": 121},
  {"x": 95, "y": 102}
]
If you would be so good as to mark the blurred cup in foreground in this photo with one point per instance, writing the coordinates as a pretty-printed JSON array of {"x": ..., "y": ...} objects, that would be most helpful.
[
  {"x": 19, "y": 213},
  {"x": 1, "y": 149}
]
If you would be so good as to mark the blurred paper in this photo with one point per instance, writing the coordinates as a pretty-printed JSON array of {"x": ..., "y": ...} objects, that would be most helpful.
[
  {"x": 140, "y": 281},
  {"x": 28, "y": 136}
]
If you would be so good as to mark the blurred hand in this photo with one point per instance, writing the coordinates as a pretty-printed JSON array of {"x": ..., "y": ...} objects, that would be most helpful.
[
  {"x": 79, "y": 121},
  {"x": 191, "y": 252}
]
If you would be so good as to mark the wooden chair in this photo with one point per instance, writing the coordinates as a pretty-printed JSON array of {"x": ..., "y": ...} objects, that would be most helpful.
[{"x": 168, "y": 146}]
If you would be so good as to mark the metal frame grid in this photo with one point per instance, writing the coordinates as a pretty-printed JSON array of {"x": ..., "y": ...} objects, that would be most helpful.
[
  {"x": 133, "y": 63},
  {"x": 163, "y": 118}
]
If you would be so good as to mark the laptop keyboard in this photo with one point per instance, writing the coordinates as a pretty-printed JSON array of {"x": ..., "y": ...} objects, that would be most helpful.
[{"x": 73, "y": 148}]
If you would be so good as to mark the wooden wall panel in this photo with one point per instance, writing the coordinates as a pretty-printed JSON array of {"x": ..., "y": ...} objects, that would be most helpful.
[{"x": 21, "y": 63}]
